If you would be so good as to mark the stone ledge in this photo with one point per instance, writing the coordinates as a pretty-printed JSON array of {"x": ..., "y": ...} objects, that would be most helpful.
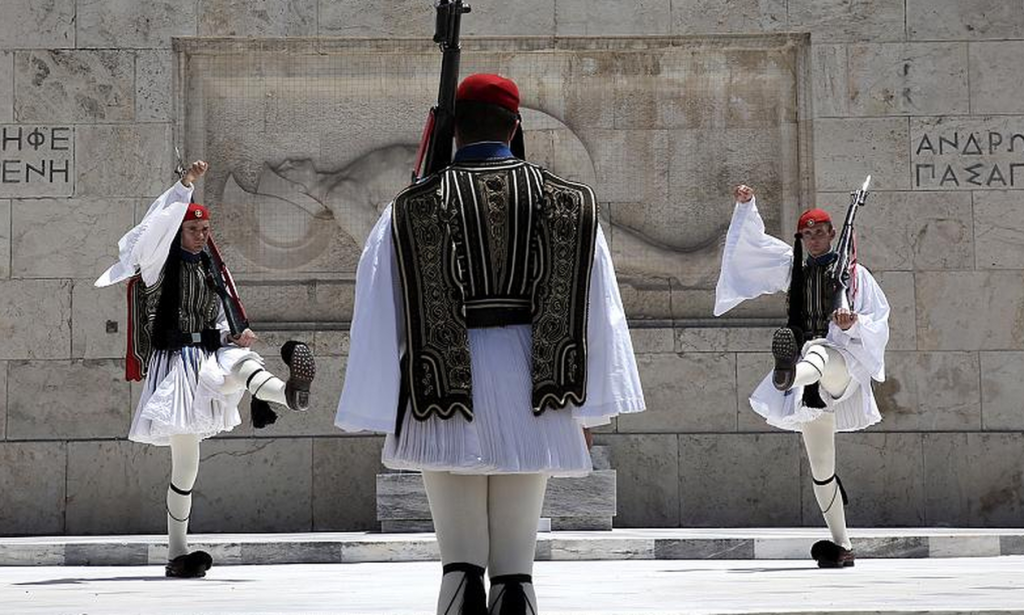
[{"x": 619, "y": 544}]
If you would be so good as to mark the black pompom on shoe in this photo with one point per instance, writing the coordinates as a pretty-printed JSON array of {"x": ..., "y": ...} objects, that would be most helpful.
[
  {"x": 191, "y": 566},
  {"x": 261, "y": 413},
  {"x": 786, "y": 351},
  {"x": 830, "y": 555},
  {"x": 302, "y": 369}
]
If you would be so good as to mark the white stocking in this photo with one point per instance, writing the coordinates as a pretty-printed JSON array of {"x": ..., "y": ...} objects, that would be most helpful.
[
  {"x": 811, "y": 367},
  {"x": 820, "y": 442},
  {"x": 184, "y": 469},
  {"x": 836, "y": 378},
  {"x": 825, "y": 365},
  {"x": 514, "y": 504},
  {"x": 458, "y": 505},
  {"x": 259, "y": 382}
]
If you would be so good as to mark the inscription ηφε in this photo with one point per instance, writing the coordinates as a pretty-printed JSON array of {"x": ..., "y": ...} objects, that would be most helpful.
[{"x": 36, "y": 160}]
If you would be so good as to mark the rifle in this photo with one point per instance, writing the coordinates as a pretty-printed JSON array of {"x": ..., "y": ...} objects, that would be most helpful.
[
  {"x": 220, "y": 277},
  {"x": 846, "y": 249},
  {"x": 435, "y": 151},
  {"x": 224, "y": 286}
]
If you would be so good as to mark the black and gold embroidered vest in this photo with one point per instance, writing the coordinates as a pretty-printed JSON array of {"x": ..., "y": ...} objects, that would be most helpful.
[
  {"x": 197, "y": 305},
  {"x": 818, "y": 296},
  {"x": 494, "y": 243}
]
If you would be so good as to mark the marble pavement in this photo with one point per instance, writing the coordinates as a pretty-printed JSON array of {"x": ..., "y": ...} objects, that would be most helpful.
[{"x": 985, "y": 585}]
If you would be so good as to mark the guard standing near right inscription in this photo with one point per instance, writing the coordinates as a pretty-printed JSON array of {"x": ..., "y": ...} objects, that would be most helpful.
[{"x": 828, "y": 353}]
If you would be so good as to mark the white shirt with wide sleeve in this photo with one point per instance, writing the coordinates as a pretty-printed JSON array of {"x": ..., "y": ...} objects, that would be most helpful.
[
  {"x": 144, "y": 248},
  {"x": 504, "y": 436},
  {"x": 754, "y": 264}
]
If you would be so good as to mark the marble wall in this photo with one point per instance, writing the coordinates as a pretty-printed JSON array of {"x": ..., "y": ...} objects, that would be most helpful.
[{"x": 922, "y": 94}]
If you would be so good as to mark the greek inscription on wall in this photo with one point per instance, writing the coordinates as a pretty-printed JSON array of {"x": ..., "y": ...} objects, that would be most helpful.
[
  {"x": 36, "y": 160},
  {"x": 984, "y": 153}
]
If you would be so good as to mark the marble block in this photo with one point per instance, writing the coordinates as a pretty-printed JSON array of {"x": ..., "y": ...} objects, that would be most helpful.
[
  {"x": 5, "y": 239},
  {"x": 7, "y": 95},
  {"x": 908, "y": 79},
  {"x": 32, "y": 484},
  {"x": 67, "y": 400},
  {"x": 35, "y": 319},
  {"x": 647, "y": 478},
  {"x": 74, "y": 86},
  {"x": 609, "y": 17},
  {"x": 259, "y": 18},
  {"x": 994, "y": 86},
  {"x": 843, "y": 20},
  {"x": 30, "y": 23},
  {"x": 133, "y": 24},
  {"x": 741, "y": 16},
  {"x": 959, "y": 20}
]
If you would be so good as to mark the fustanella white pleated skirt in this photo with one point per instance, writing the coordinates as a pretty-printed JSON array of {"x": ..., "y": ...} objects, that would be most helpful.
[
  {"x": 855, "y": 410},
  {"x": 189, "y": 391},
  {"x": 505, "y": 436}
]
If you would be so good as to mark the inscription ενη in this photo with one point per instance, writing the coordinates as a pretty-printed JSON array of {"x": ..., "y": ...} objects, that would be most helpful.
[{"x": 36, "y": 160}]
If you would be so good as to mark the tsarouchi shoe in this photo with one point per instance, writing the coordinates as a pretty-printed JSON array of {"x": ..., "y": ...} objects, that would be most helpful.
[
  {"x": 830, "y": 555},
  {"x": 786, "y": 352},
  {"x": 190, "y": 566},
  {"x": 299, "y": 359}
]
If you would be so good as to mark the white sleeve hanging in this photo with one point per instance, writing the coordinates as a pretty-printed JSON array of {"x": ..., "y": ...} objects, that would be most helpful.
[
  {"x": 753, "y": 262},
  {"x": 144, "y": 248},
  {"x": 369, "y": 399}
]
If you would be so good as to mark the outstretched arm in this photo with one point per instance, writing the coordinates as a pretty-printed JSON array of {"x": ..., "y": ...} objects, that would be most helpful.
[{"x": 753, "y": 262}]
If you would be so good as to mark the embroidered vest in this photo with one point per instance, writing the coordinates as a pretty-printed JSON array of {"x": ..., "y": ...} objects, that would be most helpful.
[{"x": 493, "y": 243}]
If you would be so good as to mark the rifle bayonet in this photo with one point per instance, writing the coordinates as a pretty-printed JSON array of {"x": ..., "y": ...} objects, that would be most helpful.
[{"x": 179, "y": 169}]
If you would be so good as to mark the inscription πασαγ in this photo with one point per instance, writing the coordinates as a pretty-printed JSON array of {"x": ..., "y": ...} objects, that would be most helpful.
[{"x": 967, "y": 153}]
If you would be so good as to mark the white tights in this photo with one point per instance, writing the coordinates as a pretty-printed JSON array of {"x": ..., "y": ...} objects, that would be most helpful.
[
  {"x": 827, "y": 367},
  {"x": 185, "y": 455},
  {"x": 184, "y": 469},
  {"x": 261, "y": 383},
  {"x": 488, "y": 521}
]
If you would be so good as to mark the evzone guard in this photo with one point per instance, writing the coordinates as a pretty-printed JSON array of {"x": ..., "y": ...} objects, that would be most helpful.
[
  {"x": 488, "y": 333},
  {"x": 188, "y": 337},
  {"x": 831, "y": 349}
]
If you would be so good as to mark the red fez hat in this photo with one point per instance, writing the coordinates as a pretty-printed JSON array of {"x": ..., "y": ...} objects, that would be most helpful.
[
  {"x": 493, "y": 89},
  {"x": 196, "y": 211},
  {"x": 812, "y": 217}
]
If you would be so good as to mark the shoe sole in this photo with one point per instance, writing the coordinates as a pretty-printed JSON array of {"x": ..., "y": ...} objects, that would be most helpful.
[
  {"x": 302, "y": 371},
  {"x": 831, "y": 564},
  {"x": 786, "y": 355},
  {"x": 302, "y": 367}
]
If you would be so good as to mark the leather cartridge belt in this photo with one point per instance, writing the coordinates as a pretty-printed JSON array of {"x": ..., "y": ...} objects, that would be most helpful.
[
  {"x": 208, "y": 338},
  {"x": 498, "y": 312}
]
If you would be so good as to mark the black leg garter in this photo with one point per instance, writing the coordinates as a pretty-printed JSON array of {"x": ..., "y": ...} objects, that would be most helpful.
[
  {"x": 841, "y": 490},
  {"x": 512, "y": 595},
  {"x": 474, "y": 598}
]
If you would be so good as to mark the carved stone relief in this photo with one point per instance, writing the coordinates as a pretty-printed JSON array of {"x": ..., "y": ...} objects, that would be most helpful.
[{"x": 309, "y": 139}]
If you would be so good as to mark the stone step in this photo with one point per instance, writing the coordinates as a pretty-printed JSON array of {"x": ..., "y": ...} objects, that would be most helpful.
[{"x": 619, "y": 544}]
